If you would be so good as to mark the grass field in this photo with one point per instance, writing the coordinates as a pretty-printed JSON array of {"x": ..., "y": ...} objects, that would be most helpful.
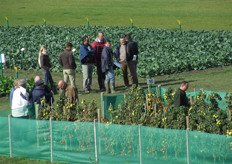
[
  {"x": 215, "y": 79},
  {"x": 194, "y": 14}
]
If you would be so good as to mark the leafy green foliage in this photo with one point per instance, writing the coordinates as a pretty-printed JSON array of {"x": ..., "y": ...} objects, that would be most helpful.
[
  {"x": 7, "y": 82},
  {"x": 160, "y": 51}
]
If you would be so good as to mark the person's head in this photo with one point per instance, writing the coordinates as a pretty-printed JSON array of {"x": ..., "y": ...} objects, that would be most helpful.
[
  {"x": 62, "y": 85},
  {"x": 107, "y": 44},
  {"x": 184, "y": 85},
  {"x": 43, "y": 50},
  {"x": 39, "y": 84},
  {"x": 101, "y": 36},
  {"x": 85, "y": 40},
  {"x": 37, "y": 78},
  {"x": 22, "y": 83},
  {"x": 127, "y": 37},
  {"x": 16, "y": 83},
  {"x": 69, "y": 46},
  {"x": 122, "y": 41}
]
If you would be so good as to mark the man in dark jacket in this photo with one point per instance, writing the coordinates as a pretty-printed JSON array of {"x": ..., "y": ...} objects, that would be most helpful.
[
  {"x": 98, "y": 45},
  {"x": 87, "y": 60},
  {"x": 180, "y": 98},
  {"x": 67, "y": 62},
  {"x": 40, "y": 91},
  {"x": 107, "y": 67},
  {"x": 120, "y": 54},
  {"x": 132, "y": 59}
]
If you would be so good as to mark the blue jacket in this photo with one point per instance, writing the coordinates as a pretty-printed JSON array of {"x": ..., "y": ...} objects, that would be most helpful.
[
  {"x": 86, "y": 54},
  {"x": 38, "y": 93},
  {"x": 107, "y": 59},
  {"x": 11, "y": 95}
]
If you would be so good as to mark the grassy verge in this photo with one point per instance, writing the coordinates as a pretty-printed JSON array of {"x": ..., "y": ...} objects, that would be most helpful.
[
  {"x": 10, "y": 160},
  {"x": 215, "y": 79},
  {"x": 194, "y": 14}
]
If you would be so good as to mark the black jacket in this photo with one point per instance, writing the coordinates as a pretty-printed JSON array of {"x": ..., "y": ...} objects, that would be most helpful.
[
  {"x": 132, "y": 49},
  {"x": 180, "y": 99}
]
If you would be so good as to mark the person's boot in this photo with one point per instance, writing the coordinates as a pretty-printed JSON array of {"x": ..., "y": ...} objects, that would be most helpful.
[
  {"x": 113, "y": 88},
  {"x": 107, "y": 87}
]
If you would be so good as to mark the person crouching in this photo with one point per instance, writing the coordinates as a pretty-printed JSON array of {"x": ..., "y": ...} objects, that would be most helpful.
[{"x": 107, "y": 67}]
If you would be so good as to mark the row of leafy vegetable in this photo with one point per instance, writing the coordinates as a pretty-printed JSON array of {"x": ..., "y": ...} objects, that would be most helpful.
[{"x": 160, "y": 51}]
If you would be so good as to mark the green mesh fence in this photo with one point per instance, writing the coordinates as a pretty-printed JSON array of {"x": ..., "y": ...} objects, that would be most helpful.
[{"x": 77, "y": 142}]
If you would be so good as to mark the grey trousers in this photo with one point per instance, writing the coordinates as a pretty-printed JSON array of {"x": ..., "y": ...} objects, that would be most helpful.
[{"x": 87, "y": 70}]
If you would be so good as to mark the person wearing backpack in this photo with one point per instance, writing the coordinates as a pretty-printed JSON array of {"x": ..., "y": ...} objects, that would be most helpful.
[
  {"x": 87, "y": 61},
  {"x": 132, "y": 58}
]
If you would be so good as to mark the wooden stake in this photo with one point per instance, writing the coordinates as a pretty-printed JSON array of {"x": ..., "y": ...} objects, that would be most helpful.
[
  {"x": 147, "y": 101},
  {"x": 187, "y": 122},
  {"x": 191, "y": 100},
  {"x": 229, "y": 115},
  {"x": 125, "y": 98},
  {"x": 155, "y": 108},
  {"x": 99, "y": 115}
]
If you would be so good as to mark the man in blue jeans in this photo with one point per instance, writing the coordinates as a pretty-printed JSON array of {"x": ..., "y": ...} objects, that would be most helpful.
[{"x": 107, "y": 64}]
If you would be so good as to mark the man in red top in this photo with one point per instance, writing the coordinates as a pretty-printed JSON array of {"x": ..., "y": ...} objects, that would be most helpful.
[{"x": 98, "y": 45}]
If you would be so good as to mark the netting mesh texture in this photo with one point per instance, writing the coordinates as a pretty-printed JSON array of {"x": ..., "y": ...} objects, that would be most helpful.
[{"x": 74, "y": 142}]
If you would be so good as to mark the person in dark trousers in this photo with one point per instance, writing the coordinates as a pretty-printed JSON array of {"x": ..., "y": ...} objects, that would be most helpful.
[
  {"x": 98, "y": 45},
  {"x": 132, "y": 58},
  {"x": 120, "y": 54},
  {"x": 44, "y": 63},
  {"x": 40, "y": 91},
  {"x": 180, "y": 98},
  {"x": 107, "y": 67},
  {"x": 67, "y": 62},
  {"x": 87, "y": 60}
]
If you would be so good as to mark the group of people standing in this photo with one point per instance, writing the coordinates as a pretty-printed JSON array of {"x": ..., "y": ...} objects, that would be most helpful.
[{"x": 101, "y": 55}]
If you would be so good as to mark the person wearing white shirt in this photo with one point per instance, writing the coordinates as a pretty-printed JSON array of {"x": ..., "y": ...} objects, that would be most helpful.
[{"x": 20, "y": 101}]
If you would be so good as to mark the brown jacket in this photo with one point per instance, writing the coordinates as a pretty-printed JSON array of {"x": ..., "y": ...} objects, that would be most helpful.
[
  {"x": 66, "y": 60},
  {"x": 71, "y": 94},
  {"x": 45, "y": 63}
]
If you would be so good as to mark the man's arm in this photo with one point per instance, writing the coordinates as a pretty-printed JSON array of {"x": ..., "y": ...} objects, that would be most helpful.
[
  {"x": 60, "y": 61},
  {"x": 117, "y": 53},
  {"x": 177, "y": 99},
  {"x": 71, "y": 61}
]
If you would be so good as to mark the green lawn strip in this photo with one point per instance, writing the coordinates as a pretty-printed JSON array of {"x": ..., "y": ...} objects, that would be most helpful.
[
  {"x": 194, "y": 14},
  {"x": 11, "y": 160},
  {"x": 215, "y": 79}
]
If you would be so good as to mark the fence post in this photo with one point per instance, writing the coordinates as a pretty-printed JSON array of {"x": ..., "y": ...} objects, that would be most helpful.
[
  {"x": 50, "y": 120},
  {"x": 140, "y": 145},
  {"x": 95, "y": 140},
  {"x": 191, "y": 100},
  {"x": 187, "y": 141},
  {"x": 99, "y": 121},
  {"x": 102, "y": 104},
  {"x": 9, "y": 116}
]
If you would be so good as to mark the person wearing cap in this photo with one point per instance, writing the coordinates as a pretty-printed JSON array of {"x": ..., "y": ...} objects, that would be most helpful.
[
  {"x": 69, "y": 92},
  {"x": 20, "y": 101},
  {"x": 40, "y": 92}
]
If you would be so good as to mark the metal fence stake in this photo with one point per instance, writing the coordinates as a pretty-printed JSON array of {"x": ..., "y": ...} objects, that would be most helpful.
[
  {"x": 95, "y": 140},
  {"x": 187, "y": 138},
  {"x": 9, "y": 116},
  {"x": 50, "y": 120},
  {"x": 140, "y": 145}
]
